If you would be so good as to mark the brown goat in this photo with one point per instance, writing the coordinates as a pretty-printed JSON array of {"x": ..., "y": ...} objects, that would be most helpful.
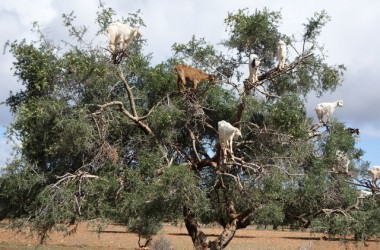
[{"x": 194, "y": 75}]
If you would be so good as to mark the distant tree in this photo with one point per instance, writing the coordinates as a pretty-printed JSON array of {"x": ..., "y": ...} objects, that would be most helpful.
[{"x": 119, "y": 142}]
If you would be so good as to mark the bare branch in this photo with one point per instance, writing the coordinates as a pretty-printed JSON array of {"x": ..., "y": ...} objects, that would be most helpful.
[
  {"x": 66, "y": 178},
  {"x": 269, "y": 75},
  {"x": 291, "y": 45},
  {"x": 129, "y": 90},
  {"x": 135, "y": 119},
  {"x": 116, "y": 103},
  {"x": 193, "y": 139},
  {"x": 328, "y": 212},
  {"x": 235, "y": 177},
  {"x": 285, "y": 171},
  {"x": 266, "y": 93},
  {"x": 167, "y": 97}
]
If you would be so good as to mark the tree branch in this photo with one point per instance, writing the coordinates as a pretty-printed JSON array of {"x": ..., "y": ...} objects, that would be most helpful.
[
  {"x": 131, "y": 98},
  {"x": 132, "y": 115},
  {"x": 199, "y": 238},
  {"x": 269, "y": 75},
  {"x": 155, "y": 106},
  {"x": 266, "y": 93},
  {"x": 235, "y": 222},
  {"x": 123, "y": 110},
  {"x": 193, "y": 139}
]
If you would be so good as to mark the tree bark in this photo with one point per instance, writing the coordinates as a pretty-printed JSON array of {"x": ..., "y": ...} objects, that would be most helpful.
[
  {"x": 199, "y": 238},
  {"x": 136, "y": 119},
  {"x": 225, "y": 237},
  {"x": 235, "y": 222}
]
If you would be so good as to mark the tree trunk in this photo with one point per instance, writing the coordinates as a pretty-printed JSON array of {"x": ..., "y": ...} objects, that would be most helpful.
[
  {"x": 225, "y": 237},
  {"x": 200, "y": 241},
  {"x": 199, "y": 238}
]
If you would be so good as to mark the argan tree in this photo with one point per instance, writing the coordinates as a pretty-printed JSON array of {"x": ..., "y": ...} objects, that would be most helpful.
[{"x": 116, "y": 141}]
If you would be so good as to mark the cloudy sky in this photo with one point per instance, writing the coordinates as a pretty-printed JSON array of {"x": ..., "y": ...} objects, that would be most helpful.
[{"x": 351, "y": 38}]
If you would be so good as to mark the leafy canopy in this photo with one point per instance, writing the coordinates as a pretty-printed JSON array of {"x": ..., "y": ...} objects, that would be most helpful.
[{"x": 120, "y": 143}]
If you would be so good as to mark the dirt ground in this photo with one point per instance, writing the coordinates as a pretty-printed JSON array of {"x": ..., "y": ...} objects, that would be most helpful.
[{"x": 116, "y": 237}]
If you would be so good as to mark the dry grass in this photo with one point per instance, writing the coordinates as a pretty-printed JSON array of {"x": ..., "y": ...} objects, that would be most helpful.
[{"x": 116, "y": 237}]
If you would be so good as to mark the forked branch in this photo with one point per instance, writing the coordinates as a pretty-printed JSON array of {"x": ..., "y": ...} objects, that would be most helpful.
[{"x": 132, "y": 112}]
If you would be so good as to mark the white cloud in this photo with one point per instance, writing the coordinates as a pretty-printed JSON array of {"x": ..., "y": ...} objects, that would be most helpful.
[
  {"x": 371, "y": 131},
  {"x": 6, "y": 148},
  {"x": 30, "y": 11}
]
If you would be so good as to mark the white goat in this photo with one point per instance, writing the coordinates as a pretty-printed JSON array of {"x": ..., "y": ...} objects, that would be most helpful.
[
  {"x": 227, "y": 133},
  {"x": 375, "y": 173},
  {"x": 364, "y": 194},
  {"x": 343, "y": 160},
  {"x": 254, "y": 64},
  {"x": 119, "y": 36},
  {"x": 281, "y": 54},
  {"x": 327, "y": 109}
]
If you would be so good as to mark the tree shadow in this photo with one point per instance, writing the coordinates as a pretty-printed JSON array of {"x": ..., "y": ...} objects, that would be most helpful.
[
  {"x": 214, "y": 235},
  {"x": 326, "y": 239}
]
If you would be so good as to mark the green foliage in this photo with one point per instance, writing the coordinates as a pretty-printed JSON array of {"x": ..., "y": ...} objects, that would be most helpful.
[
  {"x": 165, "y": 120},
  {"x": 361, "y": 224},
  {"x": 339, "y": 138},
  {"x": 314, "y": 27},
  {"x": 68, "y": 138},
  {"x": 121, "y": 144},
  {"x": 254, "y": 33},
  {"x": 330, "y": 76},
  {"x": 104, "y": 17},
  {"x": 199, "y": 51},
  {"x": 53, "y": 206},
  {"x": 74, "y": 31},
  {"x": 288, "y": 115},
  {"x": 143, "y": 203},
  {"x": 36, "y": 68},
  {"x": 161, "y": 83},
  {"x": 19, "y": 185},
  {"x": 221, "y": 104},
  {"x": 271, "y": 214},
  {"x": 175, "y": 194}
]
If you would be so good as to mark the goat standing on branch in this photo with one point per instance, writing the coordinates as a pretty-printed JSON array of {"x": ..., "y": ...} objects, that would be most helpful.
[
  {"x": 281, "y": 54},
  {"x": 353, "y": 131},
  {"x": 254, "y": 64},
  {"x": 343, "y": 161},
  {"x": 227, "y": 133},
  {"x": 375, "y": 174},
  {"x": 327, "y": 109},
  {"x": 362, "y": 194},
  {"x": 119, "y": 37},
  {"x": 185, "y": 73}
]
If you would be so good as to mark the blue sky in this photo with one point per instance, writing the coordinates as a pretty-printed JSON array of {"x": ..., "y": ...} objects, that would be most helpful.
[
  {"x": 371, "y": 147},
  {"x": 351, "y": 38}
]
